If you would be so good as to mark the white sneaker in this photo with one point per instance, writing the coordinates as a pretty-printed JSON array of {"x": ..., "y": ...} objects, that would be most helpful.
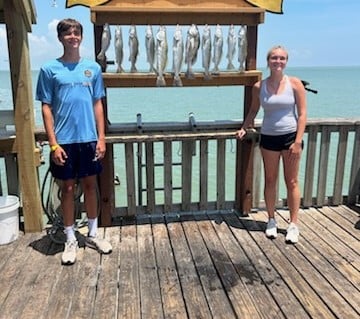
[
  {"x": 69, "y": 255},
  {"x": 292, "y": 234},
  {"x": 271, "y": 229},
  {"x": 100, "y": 244}
]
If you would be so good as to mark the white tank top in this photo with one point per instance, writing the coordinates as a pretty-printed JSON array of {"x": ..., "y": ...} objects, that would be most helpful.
[{"x": 279, "y": 110}]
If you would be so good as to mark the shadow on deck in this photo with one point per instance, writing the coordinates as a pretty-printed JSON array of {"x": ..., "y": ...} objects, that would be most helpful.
[{"x": 194, "y": 265}]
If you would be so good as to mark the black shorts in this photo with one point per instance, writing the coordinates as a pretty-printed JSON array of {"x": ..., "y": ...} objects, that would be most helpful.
[
  {"x": 81, "y": 162},
  {"x": 278, "y": 143}
]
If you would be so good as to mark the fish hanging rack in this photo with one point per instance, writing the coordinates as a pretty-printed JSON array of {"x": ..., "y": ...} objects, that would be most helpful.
[{"x": 184, "y": 13}]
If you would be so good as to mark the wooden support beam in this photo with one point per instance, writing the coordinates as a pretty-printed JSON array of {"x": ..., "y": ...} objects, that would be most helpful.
[{"x": 24, "y": 117}]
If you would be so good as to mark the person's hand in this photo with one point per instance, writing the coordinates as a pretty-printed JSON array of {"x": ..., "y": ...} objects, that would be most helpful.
[
  {"x": 295, "y": 150},
  {"x": 59, "y": 156},
  {"x": 240, "y": 133},
  {"x": 100, "y": 149}
]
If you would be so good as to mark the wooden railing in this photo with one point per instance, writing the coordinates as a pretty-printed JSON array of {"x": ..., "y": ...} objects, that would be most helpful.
[
  {"x": 186, "y": 166},
  {"x": 173, "y": 167}
]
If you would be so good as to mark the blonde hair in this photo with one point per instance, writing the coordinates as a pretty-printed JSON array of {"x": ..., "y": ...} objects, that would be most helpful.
[{"x": 276, "y": 47}]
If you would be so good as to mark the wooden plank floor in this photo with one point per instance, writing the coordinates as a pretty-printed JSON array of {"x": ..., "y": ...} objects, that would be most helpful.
[{"x": 195, "y": 265}]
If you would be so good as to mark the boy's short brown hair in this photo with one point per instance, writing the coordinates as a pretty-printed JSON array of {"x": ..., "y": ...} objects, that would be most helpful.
[{"x": 66, "y": 24}]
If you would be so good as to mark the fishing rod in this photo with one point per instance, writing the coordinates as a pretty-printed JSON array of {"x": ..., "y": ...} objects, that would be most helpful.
[{"x": 305, "y": 84}]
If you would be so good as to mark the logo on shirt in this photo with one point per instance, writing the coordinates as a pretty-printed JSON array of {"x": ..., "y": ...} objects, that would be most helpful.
[{"x": 87, "y": 73}]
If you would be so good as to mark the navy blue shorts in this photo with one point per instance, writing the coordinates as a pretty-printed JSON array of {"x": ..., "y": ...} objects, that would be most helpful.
[
  {"x": 278, "y": 143},
  {"x": 81, "y": 162}
]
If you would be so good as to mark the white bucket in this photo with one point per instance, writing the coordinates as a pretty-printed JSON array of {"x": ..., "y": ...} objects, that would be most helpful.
[{"x": 9, "y": 219}]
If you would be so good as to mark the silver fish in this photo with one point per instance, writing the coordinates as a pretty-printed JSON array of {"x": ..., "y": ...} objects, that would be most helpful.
[
  {"x": 242, "y": 44},
  {"x": 105, "y": 43},
  {"x": 191, "y": 50},
  {"x": 218, "y": 48},
  {"x": 231, "y": 46},
  {"x": 161, "y": 52},
  {"x": 178, "y": 55},
  {"x": 150, "y": 47},
  {"x": 134, "y": 47},
  {"x": 206, "y": 51},
  {"x": 119, "y": 54}
]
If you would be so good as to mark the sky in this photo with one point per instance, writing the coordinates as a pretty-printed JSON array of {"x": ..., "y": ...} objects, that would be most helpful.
[{"x": 315, "y": 33}]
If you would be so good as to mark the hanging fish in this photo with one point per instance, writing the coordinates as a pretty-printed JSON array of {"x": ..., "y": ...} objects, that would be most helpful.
[
  {"x": 105, "y": 43},
  {"x": 206, "y": 51},
  {"x": 134, "y": 48},
  {"x": 231, "y": 46},
  {"x": 218, "y": 48},
  {"x": 191, "y": 50},
  {"x": 150, "y": 47},
  {"x": 178, "y": 55},
  {"x": 161, "y": 52},
  {"x": 242, "y": 44},
  {"x": 119, "y": 54}
]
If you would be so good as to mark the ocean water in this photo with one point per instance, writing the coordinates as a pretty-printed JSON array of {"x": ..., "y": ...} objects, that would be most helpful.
[{"x": 337, "y": 97}]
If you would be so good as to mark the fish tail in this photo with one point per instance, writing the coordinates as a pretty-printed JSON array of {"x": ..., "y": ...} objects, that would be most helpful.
[
  {"x": 160, "y": 81},
  {"x": 230, "y": 66},
  {"x": 207, "y": 76},
  {"x": 177, "y": 81}
]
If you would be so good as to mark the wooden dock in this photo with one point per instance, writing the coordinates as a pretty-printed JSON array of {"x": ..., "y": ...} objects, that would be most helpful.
[{"x": 193, "y": 265}]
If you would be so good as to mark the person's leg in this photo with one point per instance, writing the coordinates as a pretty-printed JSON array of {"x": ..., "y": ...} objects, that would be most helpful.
[
  {"x": 271, "y": 167},
  {"x": 271, "y": 161},
  {"x": 89, "y": 187},
  {"x": 291, "y": 170},
  {"x": 91, "y": 205},
  {"x": 67, "y": 206}
]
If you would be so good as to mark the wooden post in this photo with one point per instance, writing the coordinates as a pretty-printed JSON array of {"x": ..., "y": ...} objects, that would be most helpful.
[
  {"x": 106, "y": 178},
  {"x": 24, "y": 113},
  {"x": 245, "y": 151}
]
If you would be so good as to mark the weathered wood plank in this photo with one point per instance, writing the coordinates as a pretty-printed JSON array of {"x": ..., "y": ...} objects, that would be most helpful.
[
  {"x": 150, "y": 177},
  {"x": 196, "y": 304},
  {"x": 64, "y": 289},
  {"x": 354, "y": 185},
  {"x": 277, "y": 252},
  {"x": 310, "y": 166},
  {"x": 42, "y": 286},
  {"x": 242, "y": 304},
  {"x": 216, "y": 297},
  {"x": 256, "y": 246},
  {"x": 340, "y": 166},
  {"x": 168, "y": 184},
  {"x": 150, "y": 295},
  {"x": 106, "y": 301},
  {"x": 204, "y": 171},
  {"x": 86, "y": 282},
  {"x": 17, "y": 279},
  {"x": 220, "y": 174},
  {"x": 227, "y": 224},
  {"x": 336, "y": 230},
  {"x": 186, "y": 174},
  {"x": 129, "y": 294},
  {"x": 130, "y": 179},
  {"x": 257, "y": 179},
  {"x": 323, "y": 166},
  {"x": 328, "y": 238},
  {"x": 337, "y": 216},
  {"x": 171, "y": 294},
  {"x": 332, "y": 287}
]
